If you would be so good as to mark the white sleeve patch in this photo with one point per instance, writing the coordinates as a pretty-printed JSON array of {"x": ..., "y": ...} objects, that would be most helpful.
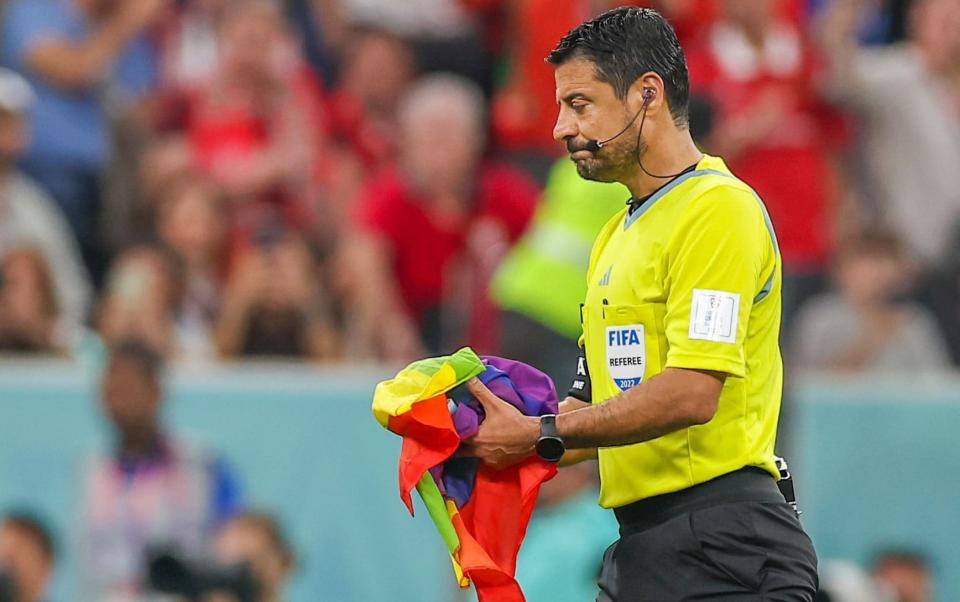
[{"x": 714, "y": 315}]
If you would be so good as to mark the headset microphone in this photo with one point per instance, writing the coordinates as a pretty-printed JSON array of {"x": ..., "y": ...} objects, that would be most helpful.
[{"x": 595, "y": 145}]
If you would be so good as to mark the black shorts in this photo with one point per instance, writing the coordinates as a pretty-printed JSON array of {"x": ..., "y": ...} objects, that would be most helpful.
[{"x": 712, "y": 546}]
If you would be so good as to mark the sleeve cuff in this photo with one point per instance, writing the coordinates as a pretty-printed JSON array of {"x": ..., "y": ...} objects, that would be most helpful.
[{"x": 697, "y": 361}]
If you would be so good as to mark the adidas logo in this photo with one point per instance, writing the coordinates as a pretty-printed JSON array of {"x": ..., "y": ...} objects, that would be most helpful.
[{"x": 606, "y": 277}]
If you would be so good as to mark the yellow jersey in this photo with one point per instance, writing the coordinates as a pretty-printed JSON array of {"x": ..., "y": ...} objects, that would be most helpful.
[{"x": 691, "y": 279}]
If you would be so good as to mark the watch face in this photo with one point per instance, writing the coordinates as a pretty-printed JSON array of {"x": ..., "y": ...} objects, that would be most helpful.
[{"x": 550, "y": 448}]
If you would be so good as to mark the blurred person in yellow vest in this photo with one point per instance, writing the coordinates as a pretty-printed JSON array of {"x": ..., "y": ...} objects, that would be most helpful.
[{"x": 540, "y": 322}]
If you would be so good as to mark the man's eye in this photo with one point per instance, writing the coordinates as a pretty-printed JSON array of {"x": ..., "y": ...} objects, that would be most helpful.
[{"x": 579, "y": 106}]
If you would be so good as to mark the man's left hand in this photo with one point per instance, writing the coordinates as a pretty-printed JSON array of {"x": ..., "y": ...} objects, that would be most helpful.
[{"x": 506, "y": 436}]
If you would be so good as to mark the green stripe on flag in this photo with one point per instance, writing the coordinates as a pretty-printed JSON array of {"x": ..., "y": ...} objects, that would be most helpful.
[{"x": 436, "y": 507}]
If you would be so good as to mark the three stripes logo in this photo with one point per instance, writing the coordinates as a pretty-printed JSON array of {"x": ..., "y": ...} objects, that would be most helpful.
[{"x": 606, "y": 277}]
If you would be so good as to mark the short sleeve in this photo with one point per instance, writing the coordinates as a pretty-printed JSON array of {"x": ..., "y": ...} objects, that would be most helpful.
[{"x": 716, "y": 266}]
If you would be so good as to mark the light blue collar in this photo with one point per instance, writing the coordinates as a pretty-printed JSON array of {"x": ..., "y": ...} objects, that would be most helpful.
[{"x": 659, "y": 194}]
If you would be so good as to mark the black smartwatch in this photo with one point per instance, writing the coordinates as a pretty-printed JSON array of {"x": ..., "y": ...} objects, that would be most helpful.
[{"x": 549, "y": 445}]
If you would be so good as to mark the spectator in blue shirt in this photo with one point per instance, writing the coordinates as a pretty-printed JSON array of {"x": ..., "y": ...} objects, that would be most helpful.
[
  {"x": 82, "y": 58},
  {"x": 153, "y": 489}
]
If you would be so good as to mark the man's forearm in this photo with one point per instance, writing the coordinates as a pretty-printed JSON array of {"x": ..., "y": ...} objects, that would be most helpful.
[
  {"x": 670, "y": 401},
  {"x": 69, "y": 64},
  {"x": 575, "y": 456}
]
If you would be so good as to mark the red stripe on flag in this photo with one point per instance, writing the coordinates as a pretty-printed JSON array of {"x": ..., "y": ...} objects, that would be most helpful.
[
  {"x": 429, "y": 438},
  {"x": 492, "y": 523}
]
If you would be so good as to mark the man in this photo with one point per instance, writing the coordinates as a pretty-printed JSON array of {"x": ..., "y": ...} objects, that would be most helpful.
[
  {"x": 430, "y": 230},
  {"x": 909, "y": 158},
  {"x": 153, "y": 490},
  {"x": 869, "y": 323},
  {"x": 30, "y": 218},
  {"x": 680, "y": 330},
  {"x": 26, "y": 557},
  {"x": 82, "y": 57},
  {"x": 257, "y": 540},
  {"x": 906, "y": 573}
]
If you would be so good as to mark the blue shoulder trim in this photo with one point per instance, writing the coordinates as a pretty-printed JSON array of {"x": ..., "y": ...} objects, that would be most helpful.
[{"x": 767, "y": 286}]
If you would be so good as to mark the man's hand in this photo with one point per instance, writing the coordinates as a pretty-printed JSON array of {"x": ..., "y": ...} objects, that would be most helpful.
[{"x": 506, "y": 436}]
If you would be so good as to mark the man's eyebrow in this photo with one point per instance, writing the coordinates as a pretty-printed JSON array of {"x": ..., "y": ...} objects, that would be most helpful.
[{"x": 574, "y": 96}]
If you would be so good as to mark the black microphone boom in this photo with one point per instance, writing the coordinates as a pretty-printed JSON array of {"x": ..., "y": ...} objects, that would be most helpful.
[{"x": 595, "y": 145}]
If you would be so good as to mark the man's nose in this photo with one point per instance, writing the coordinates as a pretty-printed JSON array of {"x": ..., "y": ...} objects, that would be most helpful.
[{"x": 566, "y": 126}]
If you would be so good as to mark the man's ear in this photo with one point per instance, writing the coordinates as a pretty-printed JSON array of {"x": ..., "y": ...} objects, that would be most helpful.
[{"x": 649, "y": 89}]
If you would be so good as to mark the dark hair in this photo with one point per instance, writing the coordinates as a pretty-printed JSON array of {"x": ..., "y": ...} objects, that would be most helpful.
[
  {"x": 901, "y": 555},
  {"x": 623, "y": 44},
  {"x": 270, "y": 528},
  {"x": 35, "y": 528},
  {"x": 148, "y": 359},
  {"x": 872, "y": 241}
]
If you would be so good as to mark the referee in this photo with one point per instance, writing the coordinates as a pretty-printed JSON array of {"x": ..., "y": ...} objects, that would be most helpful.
[{"x": 678, "y": 389}]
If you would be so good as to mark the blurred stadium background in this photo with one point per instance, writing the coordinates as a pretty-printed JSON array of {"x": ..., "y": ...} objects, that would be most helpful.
[{"x": 283, "y": 201}]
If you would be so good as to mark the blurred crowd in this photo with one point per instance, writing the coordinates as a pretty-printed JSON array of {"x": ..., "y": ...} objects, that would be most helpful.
[
  {"x": 336, "y": 180},
  {"x": 362, "y": 179},
  {"x": 157, "y": 513}
]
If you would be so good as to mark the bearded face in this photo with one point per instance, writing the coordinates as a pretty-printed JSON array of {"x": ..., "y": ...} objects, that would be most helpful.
[
  {"x": 613, "y": 161},
  {"x": 590, "y": 109}
]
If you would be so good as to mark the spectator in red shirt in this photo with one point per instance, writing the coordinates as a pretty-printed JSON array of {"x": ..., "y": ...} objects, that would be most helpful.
[
  {"x": 255, "y": 127},
  {"x": 378, "y": 67},
  {"x": 430, "y": 231},
  {"x": 756, "y": 70}
]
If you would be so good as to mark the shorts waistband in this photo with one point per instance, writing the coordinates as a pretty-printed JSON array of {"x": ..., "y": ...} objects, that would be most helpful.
[{"x": 749, "y": 484}]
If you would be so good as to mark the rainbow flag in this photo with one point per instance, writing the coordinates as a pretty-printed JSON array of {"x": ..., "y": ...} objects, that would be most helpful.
[{"x": 480, "y": 513}]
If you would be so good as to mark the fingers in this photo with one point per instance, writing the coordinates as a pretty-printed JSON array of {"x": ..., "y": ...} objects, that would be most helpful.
[{"x": 486, "y": 397}]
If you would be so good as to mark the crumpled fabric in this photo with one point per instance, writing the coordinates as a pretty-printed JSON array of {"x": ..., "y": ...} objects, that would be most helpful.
[{"x": 481, "y": 513}]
